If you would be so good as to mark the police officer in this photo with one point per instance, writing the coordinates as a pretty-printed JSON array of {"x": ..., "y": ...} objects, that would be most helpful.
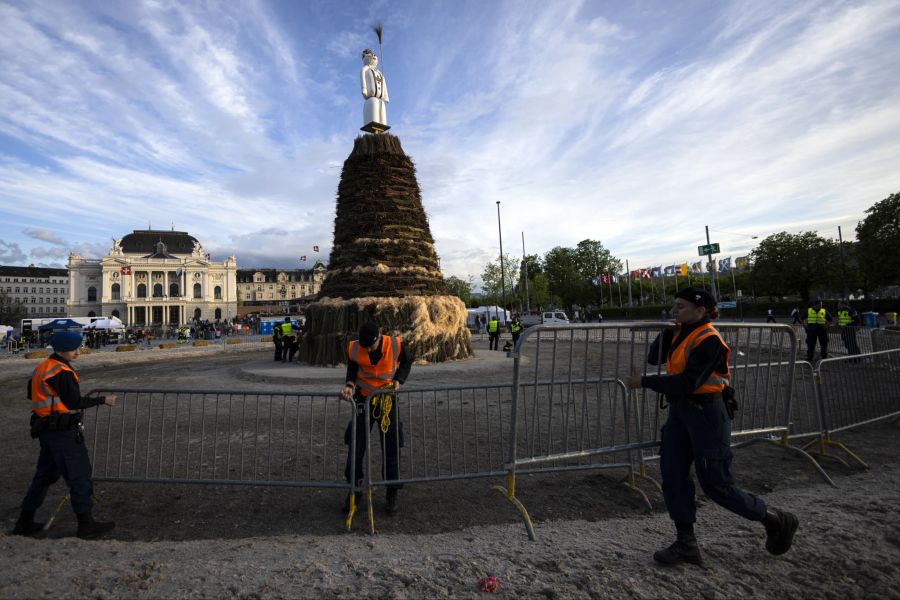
[
  {"x": 698, "y": 429},
  {"x": 287, "y": 338},
  {"x": 56, "y": 404},
  {"x": 493, "y": 333},
  {"x": 817, "y": 319},
  {"x": 277, "y": 339},
  {"x": 376, "y": 361},
  {"x": 515, "y": 328},
  {"x": 848, "y": 321}
]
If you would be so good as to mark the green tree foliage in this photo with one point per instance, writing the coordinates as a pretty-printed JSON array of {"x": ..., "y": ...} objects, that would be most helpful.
[
  {"x": 539, "y": 292},
  {"x": 878, "y": 247},
  {"x": 785, "y": 264},
  {"x": 493, "y": 283},
  {"x": 459, "y": 288},
  {"x": 11, "y": 312}
]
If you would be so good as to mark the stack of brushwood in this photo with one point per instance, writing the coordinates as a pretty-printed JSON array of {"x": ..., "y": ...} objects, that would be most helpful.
[{"x": 383, "y": 267}]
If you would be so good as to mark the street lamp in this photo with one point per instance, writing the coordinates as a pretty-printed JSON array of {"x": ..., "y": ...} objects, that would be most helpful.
[{"x": 502, "y": 266}]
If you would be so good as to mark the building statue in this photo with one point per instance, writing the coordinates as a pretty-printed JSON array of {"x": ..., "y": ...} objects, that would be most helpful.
[
  {"x": 375, "y": 93},
  {"x": 116, "y": 249}
]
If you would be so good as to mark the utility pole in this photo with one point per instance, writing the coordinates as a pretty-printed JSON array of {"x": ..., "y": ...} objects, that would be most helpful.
[
  {"x": 628, "y": 276},
  {"x": 502, "y": 267},
  {"x": 843, "y": 270},
  {"x": 525, "y": 275},
  {"x": 712, "y": 271}
]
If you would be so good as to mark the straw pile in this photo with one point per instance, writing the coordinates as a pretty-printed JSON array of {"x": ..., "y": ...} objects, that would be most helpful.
[{"x": 383, "y": 266}]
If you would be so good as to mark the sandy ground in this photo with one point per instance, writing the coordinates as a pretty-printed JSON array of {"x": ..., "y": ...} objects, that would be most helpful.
[{"x": 594, "y": 537}]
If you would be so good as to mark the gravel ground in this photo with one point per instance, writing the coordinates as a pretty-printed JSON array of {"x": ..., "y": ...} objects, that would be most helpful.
[{"x": 594, "y": 537}]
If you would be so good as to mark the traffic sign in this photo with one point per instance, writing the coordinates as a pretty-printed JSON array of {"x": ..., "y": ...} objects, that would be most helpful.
[{"x": 708, "y": 249}]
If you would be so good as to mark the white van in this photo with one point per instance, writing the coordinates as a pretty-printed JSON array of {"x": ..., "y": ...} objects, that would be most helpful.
[{"x": 557, "y": 316}]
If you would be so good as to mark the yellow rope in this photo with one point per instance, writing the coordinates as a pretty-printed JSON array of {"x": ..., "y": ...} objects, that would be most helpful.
[{"x": 383, "y": 403}]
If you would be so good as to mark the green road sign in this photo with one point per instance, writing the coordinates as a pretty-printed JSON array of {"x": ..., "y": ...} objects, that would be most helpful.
[{"x": 708, "y": 249}]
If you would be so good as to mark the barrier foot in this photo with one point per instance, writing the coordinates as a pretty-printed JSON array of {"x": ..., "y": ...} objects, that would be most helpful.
[
  {"x": 629, "y": 482},
  {"x": 828, "y": 442},
  {"x": 352, "y": 511},
  {"x": 786, "y": 444},
  {"x": 371, "y": 511},
  {"x": 642, "y": 472},
  {"x": 509, "y": 492},
  {"x": 59, "y": 506}
]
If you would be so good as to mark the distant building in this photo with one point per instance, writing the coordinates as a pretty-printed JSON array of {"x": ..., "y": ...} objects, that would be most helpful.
[
  {"x": 285, "y": 287},
  {"x": 41, "y": 292},
  {"x": 153, "y": 278}
]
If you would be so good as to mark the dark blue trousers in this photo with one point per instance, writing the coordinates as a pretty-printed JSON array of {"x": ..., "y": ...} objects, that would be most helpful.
[
  {"x": 61, "y": 455},
  {"x": 391, "y": 442},
  {"x": 700, "y": 434}
]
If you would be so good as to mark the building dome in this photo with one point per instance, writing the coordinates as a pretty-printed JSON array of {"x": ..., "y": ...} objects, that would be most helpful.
[{"x": 144, "y": 242}]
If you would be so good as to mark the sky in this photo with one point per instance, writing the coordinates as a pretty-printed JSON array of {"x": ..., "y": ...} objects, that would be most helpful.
[{"x": 634, "y": 123}]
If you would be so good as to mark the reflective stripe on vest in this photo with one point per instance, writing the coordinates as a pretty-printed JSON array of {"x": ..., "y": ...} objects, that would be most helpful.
[
  {"x": 515, "y": 327},
  {"x": 373, "y": 377},
  {"x": 44, "y": 399},
  {"x": 492, "y": 326},
  {"x": 844, "y": 318},
  {"x": 678, "y": 357},
  {"x": 814, "y": 317}
]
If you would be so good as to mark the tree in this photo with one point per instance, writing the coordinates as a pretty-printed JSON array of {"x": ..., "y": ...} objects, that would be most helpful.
[
  {"x": 784, "y": 263},
  {"x": 459, "y": 288},
  {"x": 565, "y": 281},
  {"x": 11, "y": 312},
  {"x": 878, "y": 237},
  {"x": 491, "y": 280}
]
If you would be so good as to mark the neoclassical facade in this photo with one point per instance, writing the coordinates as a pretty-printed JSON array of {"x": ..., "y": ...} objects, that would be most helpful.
[
  {"x": 279, "y": 285},
  {"x": 153, "y": 278}
]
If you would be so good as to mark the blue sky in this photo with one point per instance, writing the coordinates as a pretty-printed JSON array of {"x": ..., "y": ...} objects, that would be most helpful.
[{"x": 635, "y": 123}]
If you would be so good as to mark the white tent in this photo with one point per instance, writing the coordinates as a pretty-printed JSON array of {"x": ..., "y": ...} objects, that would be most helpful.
[
  {"x": 502, "y": 315},
  {"x": 106, "y": 323},
  {"x": 5, "y": 330}
]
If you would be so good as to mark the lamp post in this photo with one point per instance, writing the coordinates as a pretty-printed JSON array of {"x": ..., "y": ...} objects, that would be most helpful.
[
  {"x": 525, "y": 276},
  {"x": 712, "y": 271},
  {"x": 502, "y": 266}
]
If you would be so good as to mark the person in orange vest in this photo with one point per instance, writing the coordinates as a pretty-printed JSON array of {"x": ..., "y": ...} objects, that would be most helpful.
[
  {"x": 376, "y": 362},
  {"x": 698, "y": 429},
  {"x": 56, "y": 405}
]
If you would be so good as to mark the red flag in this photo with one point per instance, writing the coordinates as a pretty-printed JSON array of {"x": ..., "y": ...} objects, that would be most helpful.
[
  {"x": 126, "y": 270},
  {"x": 604, "y": 278},
  {"x": 315, "y": 248}
]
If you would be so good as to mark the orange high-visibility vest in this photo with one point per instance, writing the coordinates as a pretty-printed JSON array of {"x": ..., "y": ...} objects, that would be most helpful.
[
  {"x": 678, "y": 357},
  {"x": 372, "y": 377},
  {"x": 44, "y": 399}
]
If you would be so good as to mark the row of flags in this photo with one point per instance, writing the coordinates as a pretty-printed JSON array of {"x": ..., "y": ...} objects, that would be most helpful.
[
  {"x": 303, "y": 258},
  {"x": 722, "y": 265}
]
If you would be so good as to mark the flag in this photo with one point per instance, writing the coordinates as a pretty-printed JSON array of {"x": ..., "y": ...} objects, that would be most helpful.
[
  {"x": 645, "y": 274},
  {"x": 636, "y": 274},
  {"x": 178, "y": 273},
  {"x": 615, "y": 278},
  {"x": 697, "y": 268},
  {"x": 315, "y": 248},
  {"x": 595, "y": 280},
  {"x": 670, "y": 270},
  {"x": 126, "y": 270},
  {"x": 725, "y": 265},
  {"x": 656, "y": 271},
  {"x": 604, "y": 278},
  {"x": 303, "y": 258},
  {"x": 742, "y": 262},
  {"x": 711, "y": 266},
  {"x": 684, "y": 269}
]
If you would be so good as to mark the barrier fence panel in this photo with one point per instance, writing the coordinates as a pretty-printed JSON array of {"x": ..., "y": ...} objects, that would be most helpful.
[
  {"x": 806, "y": 418},
  {"x": 241, "y": 342},
  {"x": 885, "y": 339},
  {"x": 857, "y": 390},
  {"x": 222, "y": 437},
  {"x": 446, "y": 433}
]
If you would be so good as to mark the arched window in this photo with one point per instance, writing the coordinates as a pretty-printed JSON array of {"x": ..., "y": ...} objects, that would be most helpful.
[
  {"x": 196, "y": 290},
  {"x": 92, "y": 314},
  {"x": 218, "y": 314},
  {"x": 173, "y": 289},
  {"x": 142, "y": 290},
  {"x": 157, "y": 290},
  {"x": 115, "y": 313},
  {"x": 217, "y": 292},
  {"x": 196, "y": 314},
  {"x": 115, "y": 292},
  {"x": 92, "y": 294}
]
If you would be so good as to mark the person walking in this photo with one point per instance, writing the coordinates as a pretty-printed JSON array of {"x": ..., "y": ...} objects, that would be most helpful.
[
  {"x": 848, "y": 321},
  {"x": 795, "y": 317},
  {"x": 515, "y": 328},
  {"x": 287, "y": 337},
  {"x": 56, "y": 420},
  {"x": 493, "y": 333},
  {"x": 770, "y": 315},
  {"x": 817, "y": 320},
  {"x": 698, "y": 429},
  {"x": 375, "y": 362}
]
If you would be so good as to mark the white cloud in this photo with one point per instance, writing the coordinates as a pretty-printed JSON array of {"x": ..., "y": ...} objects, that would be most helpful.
[{"x": 11, "y": 253}]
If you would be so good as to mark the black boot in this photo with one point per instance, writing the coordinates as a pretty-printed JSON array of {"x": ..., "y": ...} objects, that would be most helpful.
[
  {"x": 26, "y": 525},
  {"x": 393, "y": 503},
  {"x": 357, "y": 504},
  {"x": 89, "y": 529},
  {"x": 780, "y": 529},
  {"x": 683, "y": 550}
]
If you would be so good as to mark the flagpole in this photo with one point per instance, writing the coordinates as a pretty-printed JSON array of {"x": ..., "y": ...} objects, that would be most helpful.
[{"x": 628, "y": 270}]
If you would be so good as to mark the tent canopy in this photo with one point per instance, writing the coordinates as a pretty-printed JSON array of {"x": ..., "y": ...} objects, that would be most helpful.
[
  {"x": 106, "y": 323},
  {"x": 60, "y": 324}
]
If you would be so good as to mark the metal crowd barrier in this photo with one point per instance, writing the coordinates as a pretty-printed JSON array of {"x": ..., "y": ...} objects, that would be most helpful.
[
  {"x": 854, "y": 391},
  {"x": 219, "y": 437}
]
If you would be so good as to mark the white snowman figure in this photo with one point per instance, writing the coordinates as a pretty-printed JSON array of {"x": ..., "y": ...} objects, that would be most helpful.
[{"x": 375, "y": 93}]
